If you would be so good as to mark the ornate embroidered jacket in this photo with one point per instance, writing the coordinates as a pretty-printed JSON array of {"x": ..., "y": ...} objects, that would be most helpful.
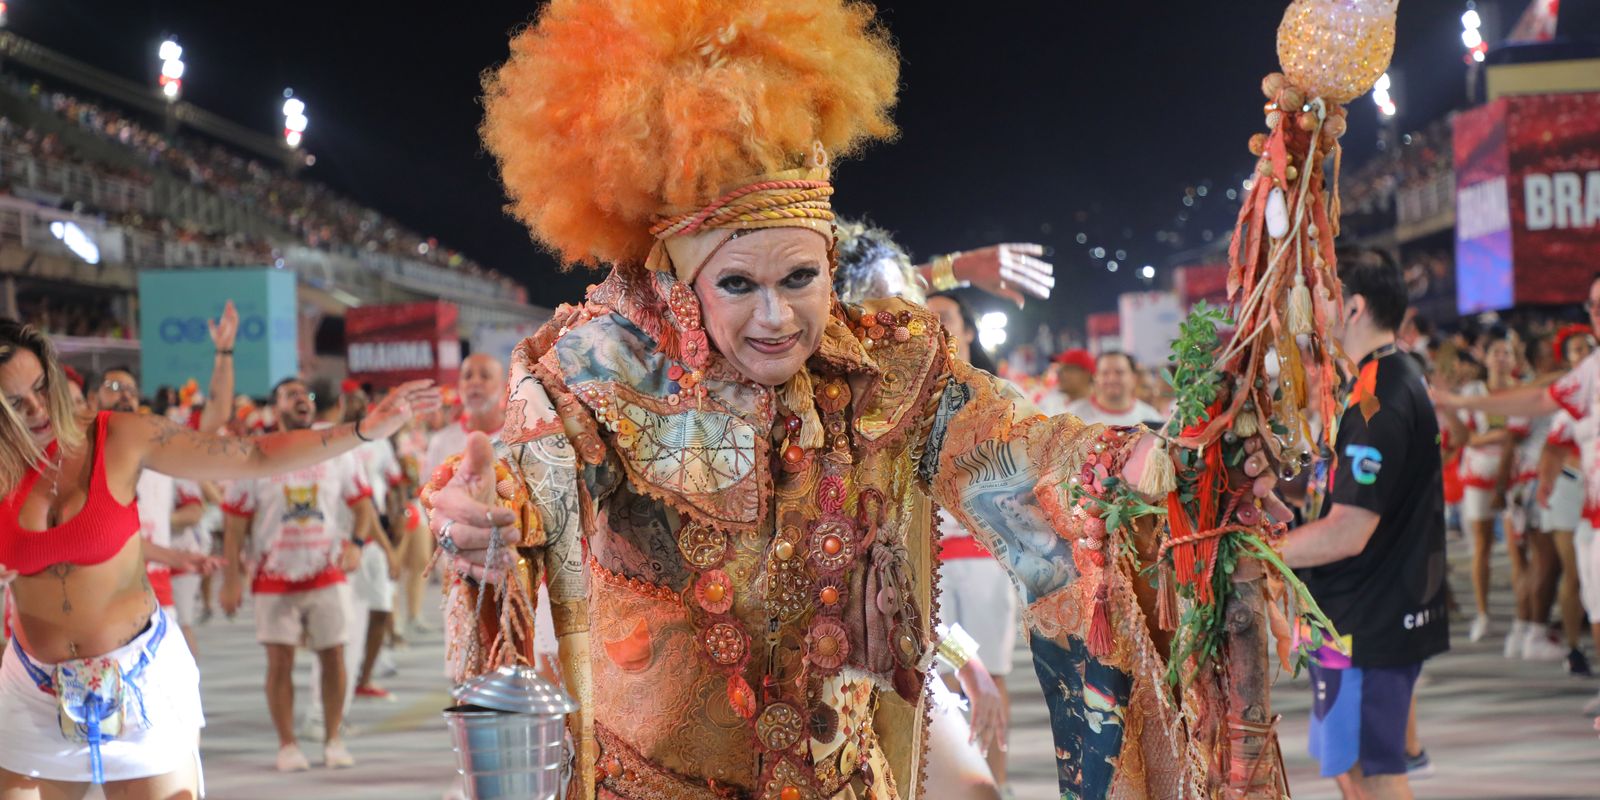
[{"x": 741, "y": 618}]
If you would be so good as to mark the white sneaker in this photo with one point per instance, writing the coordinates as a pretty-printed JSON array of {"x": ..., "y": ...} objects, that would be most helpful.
[
  {"x": 336, "y": 756},
  {"x": 1516, "y": 639},
  {"x": 1480, "y": 628},
  {"x": 290, "y": 759},
  {"x": 1538, "y": 646},
  {"x": 312, "y": 728}
]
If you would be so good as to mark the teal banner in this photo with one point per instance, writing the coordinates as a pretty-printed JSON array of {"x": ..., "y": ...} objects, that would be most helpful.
[{"x": 175, "y": 344}]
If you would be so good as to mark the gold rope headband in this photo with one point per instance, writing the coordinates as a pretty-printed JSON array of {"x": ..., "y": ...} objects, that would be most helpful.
[{"x": 798, "y": 198}]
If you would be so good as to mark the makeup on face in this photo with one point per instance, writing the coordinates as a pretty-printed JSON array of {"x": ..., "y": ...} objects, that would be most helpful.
[{"x": 764, "y": 299}]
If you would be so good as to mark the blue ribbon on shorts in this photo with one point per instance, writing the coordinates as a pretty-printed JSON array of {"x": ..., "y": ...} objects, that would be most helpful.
[{"x": 95, "y": 708}]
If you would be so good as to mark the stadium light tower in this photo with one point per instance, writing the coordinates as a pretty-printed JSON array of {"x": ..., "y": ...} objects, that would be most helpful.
[
  {"x": 294, "y": 119},
  {"x": 171, "y": 55},
  {"x": 1382, "y": 97},
  {"x": 1472, "y": 34}
]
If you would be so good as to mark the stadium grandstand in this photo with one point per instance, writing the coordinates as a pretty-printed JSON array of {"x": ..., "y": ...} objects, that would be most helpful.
[{"x": 102, "y": 178}]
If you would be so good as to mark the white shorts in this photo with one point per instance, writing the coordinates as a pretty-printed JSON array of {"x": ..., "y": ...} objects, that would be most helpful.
[
  {"x": 1477, "y": 505},
  {"x": 1588, "y": 567},
  {"x": 370, "y": 582},
  {"x": 1566, "y": 502},
  {"x": 977, "y": 594},
  {"x": 186, "y": 597},
  {"x": 31, "y": 741},
  {"x": 315, "y": 619}
]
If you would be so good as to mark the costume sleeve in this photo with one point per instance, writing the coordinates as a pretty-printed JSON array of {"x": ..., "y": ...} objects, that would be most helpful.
[
  {"x": 1370, "y": 458},
  {"x": 239, "y": 499},
  {"x": 988, "y": 457},
  {"x": 353, "y": 483},
  {"x": 537, "y": 466},
  {"x": 1575, "y": 392},
  {"x": 1561, "y": 431},
  {"x": 187, "y": 493}
]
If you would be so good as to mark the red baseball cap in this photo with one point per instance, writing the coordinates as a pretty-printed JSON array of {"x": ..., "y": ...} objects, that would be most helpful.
[{"x": 1079, "y": 358}]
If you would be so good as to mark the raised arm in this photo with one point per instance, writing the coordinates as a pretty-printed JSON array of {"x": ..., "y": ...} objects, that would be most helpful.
[
  {"x": 1007, "y": 270},
  {"x": 159, "y": 444},
  {"x": 1532, "y": 400},
  {"x": 219, "y": 400}
]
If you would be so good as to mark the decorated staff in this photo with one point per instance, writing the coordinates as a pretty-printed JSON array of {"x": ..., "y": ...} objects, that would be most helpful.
[{"x": 1246, "y": 403}]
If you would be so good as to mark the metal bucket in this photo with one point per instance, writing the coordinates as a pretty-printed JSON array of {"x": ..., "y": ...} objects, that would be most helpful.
[{"x": 504, "y": 755}]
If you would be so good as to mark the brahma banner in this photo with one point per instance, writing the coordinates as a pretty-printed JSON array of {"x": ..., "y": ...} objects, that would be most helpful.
[
  {"x": 1527, "y": 200},
  {"x": 387, "y": 345}
]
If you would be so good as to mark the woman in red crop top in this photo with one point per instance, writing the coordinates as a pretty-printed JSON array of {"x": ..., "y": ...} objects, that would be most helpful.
[{"x": 90, "y": 664}]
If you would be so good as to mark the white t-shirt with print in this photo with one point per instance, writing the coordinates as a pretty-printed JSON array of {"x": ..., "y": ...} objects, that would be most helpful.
[{"x": 300, "y": 520}]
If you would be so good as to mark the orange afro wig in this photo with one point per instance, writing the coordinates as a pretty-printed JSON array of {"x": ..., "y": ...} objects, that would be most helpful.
[{"x": 611, "y": 112}]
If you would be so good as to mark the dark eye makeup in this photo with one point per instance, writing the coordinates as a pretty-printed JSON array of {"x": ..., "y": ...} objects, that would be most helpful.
[{"x": 740, "y": 284}]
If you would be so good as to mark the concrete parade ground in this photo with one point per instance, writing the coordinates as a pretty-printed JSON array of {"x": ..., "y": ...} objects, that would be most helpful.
[{"x": 1494, "y": 728}]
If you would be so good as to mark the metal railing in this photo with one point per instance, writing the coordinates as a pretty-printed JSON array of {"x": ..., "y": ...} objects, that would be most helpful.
[{"x": 74, "y": 182}]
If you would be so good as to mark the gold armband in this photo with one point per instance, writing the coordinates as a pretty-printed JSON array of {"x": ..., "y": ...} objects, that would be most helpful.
[
  {"x": 956, "y": 647},
  {"x": 944, "y": 273}
]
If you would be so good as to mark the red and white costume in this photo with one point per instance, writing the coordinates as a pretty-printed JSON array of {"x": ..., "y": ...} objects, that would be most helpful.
[
  {"x": 1480, "y": 464},
  {"x": 1578, "y": 394},
  {"x": 300, "y": 522}
]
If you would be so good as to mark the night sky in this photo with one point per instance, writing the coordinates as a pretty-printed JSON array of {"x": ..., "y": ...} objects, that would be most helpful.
[{"x": 1022, "y": 121}]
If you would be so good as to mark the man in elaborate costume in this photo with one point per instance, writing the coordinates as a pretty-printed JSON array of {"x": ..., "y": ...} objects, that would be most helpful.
[{"x": 716, "y": 465}]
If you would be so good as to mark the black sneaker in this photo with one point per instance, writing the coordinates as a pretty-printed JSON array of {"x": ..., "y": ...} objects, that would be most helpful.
[
  {"x": 1419, "y": 766},
  {"x": 1578, "y": 664}
]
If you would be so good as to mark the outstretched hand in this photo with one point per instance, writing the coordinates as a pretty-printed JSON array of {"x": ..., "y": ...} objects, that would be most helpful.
[
  {"x": 224, "y": 330},
  {"x": 397, "y": 407},
  {"x": 1008, "y": 270},
  {"x": 467, "y": 505},
  {"x": 1444, "y": 400}
]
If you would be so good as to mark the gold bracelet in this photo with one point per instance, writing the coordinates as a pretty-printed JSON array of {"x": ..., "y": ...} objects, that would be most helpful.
[
  {"x": 956, "y": 647},
  {"x": 944, "y": 272}
]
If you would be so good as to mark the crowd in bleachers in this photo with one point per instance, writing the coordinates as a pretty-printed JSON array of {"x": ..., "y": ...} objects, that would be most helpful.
[
  {"x": 73, "y": 316},
  {"x": 312, "y": 213},
  {"x": 1417, "y": 158}
]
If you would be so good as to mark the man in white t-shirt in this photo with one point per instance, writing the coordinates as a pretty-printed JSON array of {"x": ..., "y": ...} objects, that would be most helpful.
[
  {"x": 1578, "y": 393},
  {"x": 374, "y": 581},
  {"x": 1114, "y": 399},
  {"x": 300, "y": 549}
]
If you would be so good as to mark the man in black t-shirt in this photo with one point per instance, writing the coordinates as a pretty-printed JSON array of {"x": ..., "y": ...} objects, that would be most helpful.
[{"x": 1375, "y": 561}]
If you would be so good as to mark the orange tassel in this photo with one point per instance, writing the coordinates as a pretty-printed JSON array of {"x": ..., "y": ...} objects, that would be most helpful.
[
  {"x": 1100, "y": 625},
  {"x": 1166, "y": 599}
]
